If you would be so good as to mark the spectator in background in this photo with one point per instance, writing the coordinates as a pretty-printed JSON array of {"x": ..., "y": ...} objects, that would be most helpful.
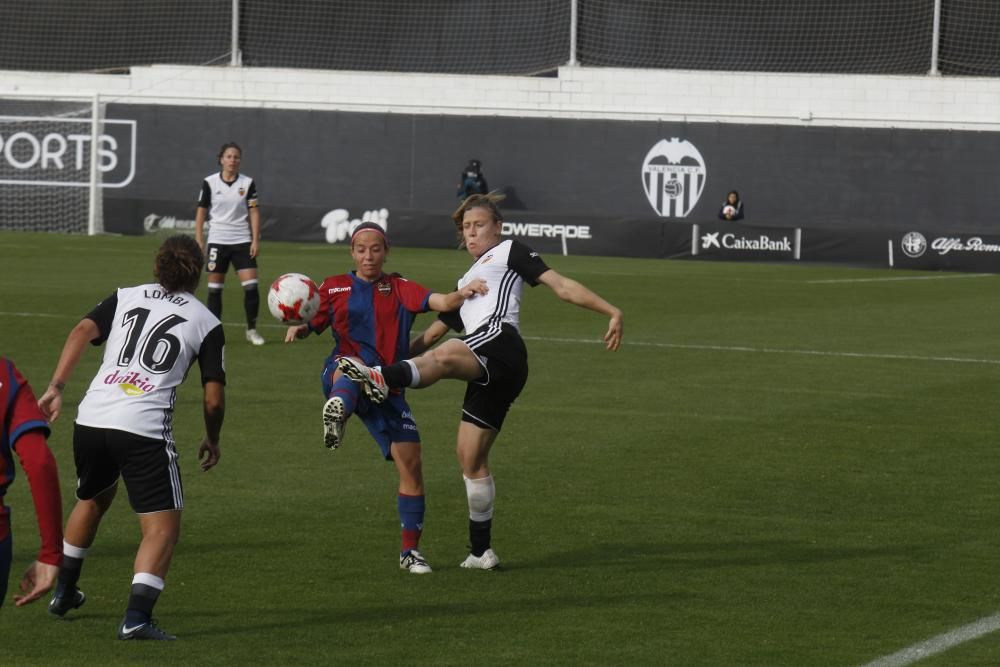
[
  {"x": 23, "y": 430},
  {"x": 472, "y": 181},
  {"x": 732, "y": 208}
]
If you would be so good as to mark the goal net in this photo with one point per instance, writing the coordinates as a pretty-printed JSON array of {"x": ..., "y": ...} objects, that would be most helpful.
[
  {"x": 815, "y": 36},
  {"x": 50, "y": 180}
]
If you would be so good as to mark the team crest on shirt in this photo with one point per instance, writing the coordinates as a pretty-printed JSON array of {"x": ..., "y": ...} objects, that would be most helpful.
[
  {"x": 486, "y": 260},
  {"x": 243, "y": 191},
  {"x": 384, "y": 287}
]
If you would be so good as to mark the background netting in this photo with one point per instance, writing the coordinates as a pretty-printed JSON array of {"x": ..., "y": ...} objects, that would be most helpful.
[
  {"x": 969, "y": 43},
  {"x": 847, "y": 36},
  {"x": 74, "y": 36},
  {"x": 506, "y": 36},
  {"x": 465, "y": 37},
  {"x": 45, "y": 165}
]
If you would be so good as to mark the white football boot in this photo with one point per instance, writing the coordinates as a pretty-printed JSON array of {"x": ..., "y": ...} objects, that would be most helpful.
[
  {"x": 254, "y": 338},
  {"x": 488, "y": 561},
  {"x": 414, "y": 562}
]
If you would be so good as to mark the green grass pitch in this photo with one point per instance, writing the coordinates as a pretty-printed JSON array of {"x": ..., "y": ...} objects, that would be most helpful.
[{"x": 784, "y": 465}]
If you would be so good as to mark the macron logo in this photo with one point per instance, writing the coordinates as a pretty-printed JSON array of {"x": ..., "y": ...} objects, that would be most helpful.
[
  {"x": 710, "y": 240},
  {"x": 335, "y": 290}
]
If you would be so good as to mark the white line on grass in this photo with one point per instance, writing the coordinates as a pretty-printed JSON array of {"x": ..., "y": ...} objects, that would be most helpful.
[
  {"x": 939, "y": 644},
  {"x": 897, "y": 278},
  {"x": 772, "y": 350},
  {"x": 672, "y": 346}
]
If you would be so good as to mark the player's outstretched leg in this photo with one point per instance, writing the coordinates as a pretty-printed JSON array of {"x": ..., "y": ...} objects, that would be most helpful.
[
  {"x": 334, "y": 422},
  {"x": 370, "y": 379}
]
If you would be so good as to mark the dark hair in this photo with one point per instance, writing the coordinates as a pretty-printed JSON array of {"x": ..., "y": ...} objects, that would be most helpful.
[
  {"x": 226, "y": 146},
  {"x": 370, "y": 227},
  {"x": 733, "y": 192},
  {"x": 178, "y": 264}
]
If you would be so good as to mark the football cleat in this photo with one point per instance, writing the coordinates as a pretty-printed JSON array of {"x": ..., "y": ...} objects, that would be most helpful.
[
  {"x": 60, "y": 604},
  {"x": 371, "y": 380},
  {"x": 488, "y": 561},
  {"x": 334, "y": 423},
  {"x": 414, "y": 562},
  {"x": 147, "y": 630},
  {"x": 254, "y": 338}
]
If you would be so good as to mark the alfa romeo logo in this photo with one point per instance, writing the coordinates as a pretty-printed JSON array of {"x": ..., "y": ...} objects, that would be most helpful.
[{"x": 913, "y": 244}]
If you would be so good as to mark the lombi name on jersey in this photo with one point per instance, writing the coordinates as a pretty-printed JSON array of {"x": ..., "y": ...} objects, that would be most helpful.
[{"x": 165, "y": 296}]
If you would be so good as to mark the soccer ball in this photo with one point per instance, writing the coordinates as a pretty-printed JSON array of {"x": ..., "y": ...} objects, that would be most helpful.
[
  {"x": 293, "y": 299},
  {"x": 728, "y": 210}
]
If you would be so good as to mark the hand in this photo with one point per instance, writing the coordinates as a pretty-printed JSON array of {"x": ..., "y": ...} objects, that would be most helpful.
[
  {"x": 38, "y": 580},
  {"x": 208, "y": 454},
  {"x": 613, "y": 338},
  {"x": 51, "y": 403},
  {"x": 477, "y": 286},
  {"x": 300, "y": 331},
  {"x": 254, "y": 248}
]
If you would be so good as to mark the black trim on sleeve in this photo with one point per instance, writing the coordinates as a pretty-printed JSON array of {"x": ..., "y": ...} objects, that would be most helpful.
[
  {"x": 210, "y": 356},
  {"x": 526, "y": 262},
  {"x": 103, "y": 316},
  {"x": 251, "y": 192},
  {"x": 205, "y": 197}
]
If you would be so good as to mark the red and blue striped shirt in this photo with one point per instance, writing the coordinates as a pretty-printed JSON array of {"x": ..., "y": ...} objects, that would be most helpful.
[{"x": 371, "y": 321}]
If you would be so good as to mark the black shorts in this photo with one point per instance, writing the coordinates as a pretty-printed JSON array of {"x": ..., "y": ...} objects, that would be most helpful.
[
  {"x": 504, "y": 359},
  {"x": 218, "y": 257},
  {"x": 148, "y": 466}
]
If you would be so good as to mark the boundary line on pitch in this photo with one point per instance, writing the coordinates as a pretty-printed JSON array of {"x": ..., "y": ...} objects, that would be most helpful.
[
  {"x": 672, "y": 346},
  {"x": 774, "y": 350},
  {"x": 895, "y": 279},
  {"x": 939, "y": 643}
]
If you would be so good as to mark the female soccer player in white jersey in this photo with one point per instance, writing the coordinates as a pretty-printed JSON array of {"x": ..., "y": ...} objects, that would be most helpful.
[
  {"x": 491, "y": 357},
  {"x": 229, "y": 199},
  {"x": 154, "y": 333}
]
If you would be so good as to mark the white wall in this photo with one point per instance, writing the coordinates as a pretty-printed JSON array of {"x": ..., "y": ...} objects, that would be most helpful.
[{"x": 846, "y": 100}]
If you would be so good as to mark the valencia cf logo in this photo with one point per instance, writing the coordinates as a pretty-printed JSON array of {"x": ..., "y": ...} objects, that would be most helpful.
[
  {"x": 673, "y": 176},
  {"x": 384, "y": 288},
  {"x": 211, "y": 266},
  {"x": 243, "y": 191}
]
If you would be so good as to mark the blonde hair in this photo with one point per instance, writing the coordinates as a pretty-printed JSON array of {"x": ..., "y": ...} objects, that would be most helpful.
[{"x": 488, "y": 201}]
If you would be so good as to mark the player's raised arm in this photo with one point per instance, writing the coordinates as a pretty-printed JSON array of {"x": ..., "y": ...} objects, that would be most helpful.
[
  {"x": 443, "y": 303},
  {"x": 576, "y": 293}
]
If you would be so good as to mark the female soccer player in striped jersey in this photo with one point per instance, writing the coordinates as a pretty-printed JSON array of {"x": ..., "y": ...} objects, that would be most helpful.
[
  {"x": 370, "y": 314},
  {"x": 491, "y": 357}
]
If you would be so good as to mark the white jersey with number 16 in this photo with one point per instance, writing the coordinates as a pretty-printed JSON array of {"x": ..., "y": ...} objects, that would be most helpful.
[{"x": 153, "y": 337}]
